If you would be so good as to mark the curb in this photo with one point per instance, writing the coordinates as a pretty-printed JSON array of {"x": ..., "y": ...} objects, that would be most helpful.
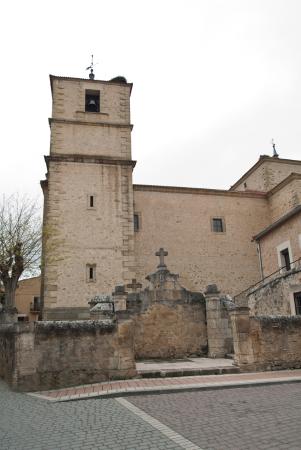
[{"x": 170, "y": 389}]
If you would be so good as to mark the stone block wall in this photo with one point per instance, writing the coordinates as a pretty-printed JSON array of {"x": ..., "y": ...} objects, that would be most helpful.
[
  {"x": 46, "y": 355},
  {"x": 170, "y": 330},
  {"x": 266, "y": 342},
  {"x": 275, "y": 296},
  {"x": 198, "y": 254}
]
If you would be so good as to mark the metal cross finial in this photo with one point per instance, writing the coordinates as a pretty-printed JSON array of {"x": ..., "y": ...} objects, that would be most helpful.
[
  {"x": 134, "y": 285},
  {"x": 91, "y": 74},
  {"x": 275, "y": 154},
  {"x": 161, "y": 253}
]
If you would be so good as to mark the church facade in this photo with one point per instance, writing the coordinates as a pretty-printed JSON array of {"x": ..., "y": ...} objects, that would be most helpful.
[{"x": 101, "y": 230}]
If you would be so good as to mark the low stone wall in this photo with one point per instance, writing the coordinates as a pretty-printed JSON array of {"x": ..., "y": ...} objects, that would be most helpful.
[
  {"x": 266, "y": 342},
  {"x": 170, "y": 329},
  {"x": 46, "y": 355}
]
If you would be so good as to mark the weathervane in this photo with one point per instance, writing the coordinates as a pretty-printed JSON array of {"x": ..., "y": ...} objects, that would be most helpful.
[
  {"x": 275, "y": 154},
  {"x": 91, "y": 74}
]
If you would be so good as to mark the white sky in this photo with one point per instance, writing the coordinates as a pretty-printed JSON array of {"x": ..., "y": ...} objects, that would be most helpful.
[{"x": 214, "y": 81}]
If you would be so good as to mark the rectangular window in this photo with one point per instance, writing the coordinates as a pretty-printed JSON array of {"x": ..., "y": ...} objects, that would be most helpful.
[
  {"x": 91, "y": 273},
  {"x": 92, "y": 101},
  {"x": 136, "y": 222},
  {"x": 297, "y": 298},
  {"x": 91, "y": 201},
  {"x": 285, "y": 259},
  {"x": 218, "y": 225}
]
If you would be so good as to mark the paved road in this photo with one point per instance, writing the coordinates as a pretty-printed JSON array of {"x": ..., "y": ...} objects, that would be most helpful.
[
  {"x": 27, "y": 423},
  {"x": 266, "y": 417}
]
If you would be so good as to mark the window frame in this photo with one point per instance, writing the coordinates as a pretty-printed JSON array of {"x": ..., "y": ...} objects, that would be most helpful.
[
  {"x": 222, "y": 222},
  {"x": 92, "y": 93},
  {"x": 90, "y": 267},
  {"x": 297, "y": 308},
  {"x": 89, "y": 201}
]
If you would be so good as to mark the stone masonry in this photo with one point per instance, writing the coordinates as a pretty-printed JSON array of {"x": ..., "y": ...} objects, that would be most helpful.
[
  {"x": 266, "y": 342},
  {"x": 90, "y": 158},
  {"x": 47, "y": 355}
]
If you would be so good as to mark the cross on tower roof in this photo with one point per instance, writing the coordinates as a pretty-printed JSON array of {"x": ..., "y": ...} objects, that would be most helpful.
[
  {"x": 161, "y": 253},
  {"x": 134, "y": 285}
]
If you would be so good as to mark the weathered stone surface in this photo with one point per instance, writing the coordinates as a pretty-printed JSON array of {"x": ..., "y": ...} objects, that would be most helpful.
[
  {"x": 45, "y": 355},
  {"x": 170, "y": 330},
  {"x": 219, "y": 329},
  {"x": 275, "y": 296},
  {"x": 266, "y": 342}
]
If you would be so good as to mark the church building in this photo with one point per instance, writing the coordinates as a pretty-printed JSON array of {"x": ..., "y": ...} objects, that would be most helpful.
[{"x": 101, "y": 230}]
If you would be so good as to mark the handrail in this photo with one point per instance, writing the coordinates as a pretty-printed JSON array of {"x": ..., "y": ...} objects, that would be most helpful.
[{"x": 268, "y": 276}]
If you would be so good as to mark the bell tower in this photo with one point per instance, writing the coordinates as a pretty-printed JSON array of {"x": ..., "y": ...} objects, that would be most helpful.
[{"x": 88, "y": 243}]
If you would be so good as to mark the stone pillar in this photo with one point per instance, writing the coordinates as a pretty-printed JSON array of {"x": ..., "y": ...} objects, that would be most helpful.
[
  {"x": 243, "y": 349},
  {"x": 217, "y": 323},
  {"x": 119, "y": 298}
]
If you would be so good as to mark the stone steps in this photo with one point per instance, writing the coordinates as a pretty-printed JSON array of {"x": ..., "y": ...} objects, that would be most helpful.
[{"x": 187, "y": 372}]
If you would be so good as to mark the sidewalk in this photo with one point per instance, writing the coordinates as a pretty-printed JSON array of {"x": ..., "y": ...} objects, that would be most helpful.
[{"x": 124, "y": 388}]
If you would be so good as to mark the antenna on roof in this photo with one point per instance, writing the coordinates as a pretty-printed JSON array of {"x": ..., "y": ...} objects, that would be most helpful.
[
  {"x": 91, "y": 74},
  {"x": 275, "y": 154}
]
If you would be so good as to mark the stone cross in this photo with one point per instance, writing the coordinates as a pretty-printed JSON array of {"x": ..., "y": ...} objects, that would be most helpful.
[
  {"x": 134, "y": 285},
  {"x": 161, "y": 253}
]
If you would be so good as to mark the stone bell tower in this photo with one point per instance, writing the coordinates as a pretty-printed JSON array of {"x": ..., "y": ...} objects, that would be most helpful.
[{"x": 88, "y": 243}]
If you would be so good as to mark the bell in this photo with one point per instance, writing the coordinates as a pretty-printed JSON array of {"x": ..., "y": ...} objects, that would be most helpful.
[{"x": 92, "y": 103}]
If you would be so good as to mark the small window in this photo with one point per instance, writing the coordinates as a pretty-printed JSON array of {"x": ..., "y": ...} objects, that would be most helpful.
[
  {"x": 285, "y": 259},
  {"x": 136, "y": 222},
  {"x": 91, "y": 201},
  {"x": 297, "y": 298},
  {"x": 91, "y": 272},
  {"x": 218, "y": 225},
  {"x": 92, "y": 101}
]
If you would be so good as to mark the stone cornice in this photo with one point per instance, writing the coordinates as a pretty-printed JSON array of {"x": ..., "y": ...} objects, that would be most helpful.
[
  {"x": 262, "y": 159},
  {"x": 197, "y": 191},
  {"x": 95, "y": 124},
  {"x": 293, "y": 176},
  {"x": 90, "y": 159},
  {"x": 278, "y": 222},
  {"x": 56, "y": 77}
]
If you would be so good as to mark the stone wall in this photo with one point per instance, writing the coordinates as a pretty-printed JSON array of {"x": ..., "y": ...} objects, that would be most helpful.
[
  {"x": 267, "y": 173},
  {"x": 171, "y": 329},
  {"x": 289, "y": 235},
  {"x": 180, "y": 220},
  {"x": 285, "y": 196},
  {"x": 266, "y": 342},
  {"x": 275, "y": 296},
  {"x": 46, "y": 355}
]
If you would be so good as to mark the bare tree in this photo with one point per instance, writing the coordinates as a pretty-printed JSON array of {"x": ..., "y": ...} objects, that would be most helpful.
[{"x": 20, "y": 243}]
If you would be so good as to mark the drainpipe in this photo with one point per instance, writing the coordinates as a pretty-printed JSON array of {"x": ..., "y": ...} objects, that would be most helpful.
[{"x": 260, "y": 259}]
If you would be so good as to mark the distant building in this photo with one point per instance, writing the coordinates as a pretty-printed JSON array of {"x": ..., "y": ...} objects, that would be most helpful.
[
  {"x": 103, "y": 230},
  {"x": 28, "y": 298}
]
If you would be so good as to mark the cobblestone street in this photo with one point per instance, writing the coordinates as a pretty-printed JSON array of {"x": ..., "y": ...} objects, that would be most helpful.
[{"x": 265, "y": 417}]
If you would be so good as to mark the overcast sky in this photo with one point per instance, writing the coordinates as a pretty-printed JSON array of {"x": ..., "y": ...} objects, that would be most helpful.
[{"x": 214, "y": 82}]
